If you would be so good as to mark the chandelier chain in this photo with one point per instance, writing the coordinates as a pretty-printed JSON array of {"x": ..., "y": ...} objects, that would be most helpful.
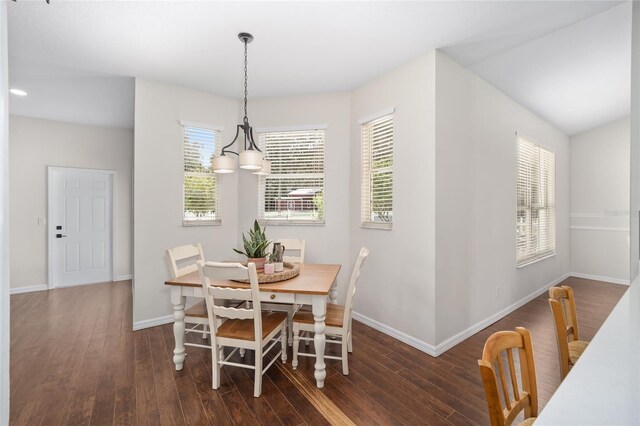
[{"x": 245, "y": 82}]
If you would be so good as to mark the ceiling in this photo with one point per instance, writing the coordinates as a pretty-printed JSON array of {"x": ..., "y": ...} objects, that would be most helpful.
[{"x": 77, "y": 59}]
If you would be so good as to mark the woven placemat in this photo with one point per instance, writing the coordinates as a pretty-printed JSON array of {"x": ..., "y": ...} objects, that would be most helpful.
[{"x": 290, "y": 270}]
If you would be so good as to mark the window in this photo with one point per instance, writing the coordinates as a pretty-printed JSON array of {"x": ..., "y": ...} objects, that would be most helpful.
[
  {"x": 200, "y": 144},
  {"x": 294, "y": 191},
  {"x": 536, "y": 206},
  {"x": 377, "y": 173}
]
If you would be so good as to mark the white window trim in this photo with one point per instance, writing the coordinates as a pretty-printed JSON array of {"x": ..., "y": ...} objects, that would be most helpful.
[
  {"x": 206, "y": 222},
  {"x": 366, "y": 119},
  {"x": 201, "y": 125},
  {"x": 375, "y": 116},
  {"x": 296, "y": 128}
]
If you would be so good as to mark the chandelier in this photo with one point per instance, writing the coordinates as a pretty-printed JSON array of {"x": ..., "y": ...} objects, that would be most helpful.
[{"x": 251, "y": 157}]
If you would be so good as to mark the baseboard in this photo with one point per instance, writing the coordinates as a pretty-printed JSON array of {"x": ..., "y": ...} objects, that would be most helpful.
[
  {"x": 152, "y": 322},
  {"x": 124, "y": 277},
  {"x": 463, "y": 335},
  {"x": 29, "y": 289},
  {"x": 599, "y": 278},
  {"x": 396, "y": 334}
]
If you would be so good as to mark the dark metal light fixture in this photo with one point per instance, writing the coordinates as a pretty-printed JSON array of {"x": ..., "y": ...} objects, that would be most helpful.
[{"x": 251, "y": 157}]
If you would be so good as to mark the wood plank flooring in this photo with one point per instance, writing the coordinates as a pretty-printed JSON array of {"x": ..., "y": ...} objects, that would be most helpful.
[{"x": 75, "y": 361}]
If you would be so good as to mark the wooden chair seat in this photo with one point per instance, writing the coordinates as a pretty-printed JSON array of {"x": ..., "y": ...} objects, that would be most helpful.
[
  {"x": 527, "y": 422},
  {"x": 335, "y": 316},
  {"x": 244, "y": 329},
  {"x": 575, "y": 350},
  {"x": 198, "y": 310}
]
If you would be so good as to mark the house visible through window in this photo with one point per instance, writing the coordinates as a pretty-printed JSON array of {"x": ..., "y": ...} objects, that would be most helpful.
[
  {"x": 294, "y": 191},
  {"x": 377, "y": 173},
  {"x": 201, "y": 206},
  {"x": 536, "y": 206}
]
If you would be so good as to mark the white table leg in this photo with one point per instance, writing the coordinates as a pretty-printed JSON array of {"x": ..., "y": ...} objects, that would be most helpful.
[
  {"x": 178, "y": 301},
  {"x": 333, "y": 292},
  {"x": 319, "y": 340}
]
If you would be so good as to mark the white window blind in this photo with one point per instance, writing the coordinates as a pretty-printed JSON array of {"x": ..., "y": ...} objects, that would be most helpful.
[
  {"x": 201, "y": 206},
  {"x": 377, "y": 173},
  {"x": 536, "y": 206},
  {"x": 294, "y": 191}
]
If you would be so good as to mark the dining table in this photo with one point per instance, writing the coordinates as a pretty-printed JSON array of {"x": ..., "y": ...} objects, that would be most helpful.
[{"x": 311, "y": 286}]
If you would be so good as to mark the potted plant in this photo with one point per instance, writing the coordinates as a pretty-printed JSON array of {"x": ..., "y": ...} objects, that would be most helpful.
[{"x": 255, "y": 246}]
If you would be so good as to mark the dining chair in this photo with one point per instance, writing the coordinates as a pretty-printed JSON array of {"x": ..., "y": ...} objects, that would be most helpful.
[
  {"x": 293, "y": 253},
  {"x": 498, "y": 347},
  {"x": 570, "y": 347},
  {"x": 183, "y": 260},
  {"x": 294, "y": 249},
  {"x": 338, "y": 321},
  {"x": 241, "y": 328}
]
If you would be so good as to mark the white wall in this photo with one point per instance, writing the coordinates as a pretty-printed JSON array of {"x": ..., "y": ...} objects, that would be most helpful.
[
  {"x": 397, "y": 284},
  {"x": 35, "y": 144},
  {"x": 635, "y": 143},
  {"x": 4, "y": 221},
  {"x": 326, "y": 243},
  {"x": 599, "y": 202},
  {"x": 158, "y": 189},
  {"x": 476, "y": 201}
]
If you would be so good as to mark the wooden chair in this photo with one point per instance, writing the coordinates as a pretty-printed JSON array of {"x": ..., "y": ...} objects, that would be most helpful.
[
  {"x": 293, "y": 253},
  {"x": 338, "y": 321},
  {"x": 570, "y": 347},
  {"x": 183, "y": 260},
  {"x": 241, "y": 328},
  {"x": 499, "y": 346}
]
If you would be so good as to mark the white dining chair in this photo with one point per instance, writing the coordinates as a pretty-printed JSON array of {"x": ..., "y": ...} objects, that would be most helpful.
[
  {"x": 293, "y": 253},
  {"x": 338, "y": 322},
  {"x": 183, "y": 260},
  {"x": 241, "y": 328}
]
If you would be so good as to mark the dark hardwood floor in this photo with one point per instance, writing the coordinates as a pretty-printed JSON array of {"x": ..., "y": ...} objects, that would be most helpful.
[{"x": 75, "y": 360}]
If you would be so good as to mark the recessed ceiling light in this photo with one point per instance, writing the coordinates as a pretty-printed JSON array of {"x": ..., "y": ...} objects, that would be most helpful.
[{"x": 18, "y": 92}]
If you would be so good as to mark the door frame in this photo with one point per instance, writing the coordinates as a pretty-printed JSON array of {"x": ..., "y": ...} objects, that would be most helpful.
[{"x": 114, "y": 176}]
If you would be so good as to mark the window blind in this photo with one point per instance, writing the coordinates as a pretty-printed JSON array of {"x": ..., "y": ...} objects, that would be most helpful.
[
  {"x": 294, "y": 191},
  {"x": 377, "y": 173},
  {"x": 536, "y": 208},
  {"x": 201, "y": 206}
]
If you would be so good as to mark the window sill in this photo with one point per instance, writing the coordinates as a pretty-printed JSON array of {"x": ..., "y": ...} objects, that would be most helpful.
[
  {"x": 377, "y": 225},
  {"x": 189, "y": 223},
  {"x": 285, "y": 222},
  {"x": 531, "y": 262}
]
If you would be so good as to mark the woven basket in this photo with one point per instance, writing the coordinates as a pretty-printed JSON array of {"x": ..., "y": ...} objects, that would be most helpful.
[{"x": 290, "y": 270}]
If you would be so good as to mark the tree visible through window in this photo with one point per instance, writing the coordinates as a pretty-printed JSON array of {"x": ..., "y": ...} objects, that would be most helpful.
[
  {"x": 536, "y": 206},
  {"x": 377, "y": 173},
  {"x": 294, "y": 191},
  {"x": 200, "y": 145}
]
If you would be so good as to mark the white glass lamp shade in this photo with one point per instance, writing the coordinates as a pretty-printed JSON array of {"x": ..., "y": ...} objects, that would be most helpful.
[
  {"x": 251, "y": 160},
  {"x": 265, "y": 170},
  {"x": 224, "y": 164}
]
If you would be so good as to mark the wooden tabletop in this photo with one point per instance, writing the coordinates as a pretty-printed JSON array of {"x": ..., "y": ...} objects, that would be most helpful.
[{"x": 313, "y": 279}]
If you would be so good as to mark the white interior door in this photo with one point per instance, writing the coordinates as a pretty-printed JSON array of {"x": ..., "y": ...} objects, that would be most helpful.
[{"x": 80, "y": 226}]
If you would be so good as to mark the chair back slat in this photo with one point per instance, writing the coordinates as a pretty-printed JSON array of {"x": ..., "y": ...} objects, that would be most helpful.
[
  {"x": 512, "y": 373},
  {"x": 233, "y": 313},
  {"x": 351, "y": 290},
  {"x": 215, "y": 296},
  {"x": 183, "y": 259},
  {"x": 230, "y": 293},
  {"x": 503, "y": 382},
  {"x": 525, "y": 398}
]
